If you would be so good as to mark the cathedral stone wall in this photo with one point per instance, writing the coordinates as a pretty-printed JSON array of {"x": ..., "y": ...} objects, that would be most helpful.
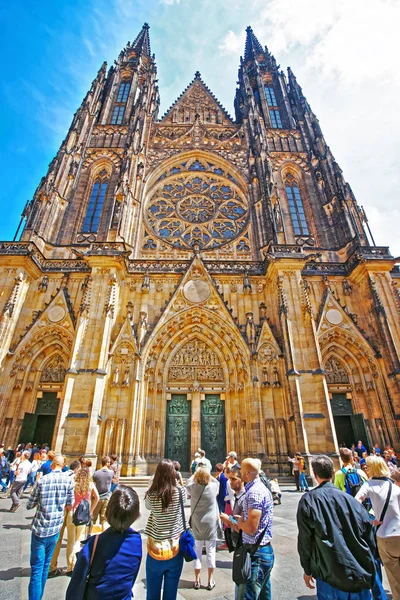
[{"x": 195, "y": 281}]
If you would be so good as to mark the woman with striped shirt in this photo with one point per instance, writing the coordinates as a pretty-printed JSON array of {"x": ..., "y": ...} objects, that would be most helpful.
[{"x": 164, "y": 528}]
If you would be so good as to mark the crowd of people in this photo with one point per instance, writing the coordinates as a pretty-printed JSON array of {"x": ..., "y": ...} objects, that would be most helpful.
[{"x": 349, "y": 524}]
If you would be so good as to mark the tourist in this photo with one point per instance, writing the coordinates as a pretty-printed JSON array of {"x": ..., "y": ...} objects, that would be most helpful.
[
  {"x": 237, "y": 485},
  {"x": 103, "y": 479},
  {"x": 45, "y": 469},
  {"x": 193, "y": 465},
  {"x": 164, "y": 527},
  {"x": 35, "y": 466},
  {"x": 296, "y": 471},
  {"x": 54, "y": 571},
  {"x": 302, "y": 476},
  {"x": 256, "y": 526},
  {"x": 4, "y": 469},
  {"x": 204, "y": 521},
  {"x": 21, "y": 475},
  {"x": 222, "y": 491},
  {"x": 13, "y": 467},
  {"x": 50, "y": 495},
  {"x": 116, "y": 554},
  {"x": 335, "y": 542},
  {"x": 379, "y": 489},
  {"x": 348, "y": 476},
  {"x": 84, "y": 489},
  {"x": 231, "y": 460},
  {"x": 390, "y": 463},
  {"x": 203, "y": 460},
  {"x": 376, "y": 449},
  {"x": 360, "y": 448},
  {"x": 116, "y": 469},
  {"x": 177, "y": 467}
]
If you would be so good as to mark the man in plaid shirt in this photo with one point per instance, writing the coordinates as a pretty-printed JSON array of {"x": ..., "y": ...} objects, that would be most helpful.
[
  {"x": 256, "y": 522},
  {"x": 51, "y": 495}
]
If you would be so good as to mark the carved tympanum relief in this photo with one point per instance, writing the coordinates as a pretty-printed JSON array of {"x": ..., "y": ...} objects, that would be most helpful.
[
  {"x": 335, "y": 371},
  {"x": 54, "y": 370},
  {"x": 195, "y": 361}
]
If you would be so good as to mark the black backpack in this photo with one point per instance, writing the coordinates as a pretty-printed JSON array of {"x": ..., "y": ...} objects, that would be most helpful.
[{"x": 82, "y": 513}]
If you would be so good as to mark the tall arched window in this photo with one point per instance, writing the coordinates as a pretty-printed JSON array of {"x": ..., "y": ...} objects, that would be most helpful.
[
  {"x": 96, "y": 202},
  {"x": 120, "y": 105},
  {"x": 296, "y": 208}
]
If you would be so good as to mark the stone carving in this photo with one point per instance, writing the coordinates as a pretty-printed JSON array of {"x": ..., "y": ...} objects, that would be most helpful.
[
  {"x": 142, "y": 328},
  {"x": 146, "y": 283},
  {"x": 251, "y": 331},
  {"x": 347, "y": 289},
  {"x": 115, "y": 379},
  {"x": 54, "y": 370},
  {"x": 335, "y": 371},
  {"x": 196, "y": 361},
  {"x": 125, "y": 381},
  {"x": 43, "y": 285}
]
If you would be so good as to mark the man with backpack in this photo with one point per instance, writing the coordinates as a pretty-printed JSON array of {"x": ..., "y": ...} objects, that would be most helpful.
[{"x": 348, "y": 478}]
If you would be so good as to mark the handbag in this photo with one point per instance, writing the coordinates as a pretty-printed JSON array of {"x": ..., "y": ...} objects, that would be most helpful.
[
  {"x": 186, "y": 541},
  {"x": 241, "y": 564}
]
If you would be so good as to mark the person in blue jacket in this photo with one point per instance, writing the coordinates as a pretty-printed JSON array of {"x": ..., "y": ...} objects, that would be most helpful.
[{"x": 116, "y": 556}]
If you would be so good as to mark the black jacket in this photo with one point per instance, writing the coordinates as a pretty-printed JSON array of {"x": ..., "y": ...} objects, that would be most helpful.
[{"x": 336, "y": 542}]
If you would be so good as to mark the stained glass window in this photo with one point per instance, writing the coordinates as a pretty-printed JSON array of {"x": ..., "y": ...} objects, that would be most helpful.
[
  {"x": 95, "y": 207},
  {"x": 123, "y": 92},
  {"x": 275, "y": 117},
  {"x": 118, "y": 115},
  {"x": 197, "y": 205},
  {"x": 270, "y": 95},
  {"x": 296, "y": 209}
]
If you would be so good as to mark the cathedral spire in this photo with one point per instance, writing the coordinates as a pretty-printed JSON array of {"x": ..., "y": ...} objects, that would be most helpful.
[
  {"x": 142, "y": 42},
  {"x": 252, "y": 46}
]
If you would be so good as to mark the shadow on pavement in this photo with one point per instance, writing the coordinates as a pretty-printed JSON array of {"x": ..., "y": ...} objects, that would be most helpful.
[
  {"x": 306, "y": 597},
  {"x": 224, "y": 564},
  {"x": 16, "y": 526},
  {"x": 13, "y": 573}
]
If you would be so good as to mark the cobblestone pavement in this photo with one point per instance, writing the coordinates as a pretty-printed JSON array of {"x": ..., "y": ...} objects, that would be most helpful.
[{"x": 287, "y": 581}]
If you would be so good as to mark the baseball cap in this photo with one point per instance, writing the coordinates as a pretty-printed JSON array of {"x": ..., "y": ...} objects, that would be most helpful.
[{"x": 232, "y": 455}]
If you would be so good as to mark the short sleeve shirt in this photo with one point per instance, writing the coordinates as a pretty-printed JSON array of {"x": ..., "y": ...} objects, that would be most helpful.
[{"x": 258, "y": 497}]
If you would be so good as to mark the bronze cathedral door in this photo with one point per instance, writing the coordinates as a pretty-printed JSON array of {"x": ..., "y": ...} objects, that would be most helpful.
[
  {"x": 213, "y": 436},
  {"x": 177, "y": 434}
]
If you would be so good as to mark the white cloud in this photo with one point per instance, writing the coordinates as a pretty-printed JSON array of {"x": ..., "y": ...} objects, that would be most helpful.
[
  {"x": 169, "y": 2},
  {"x": 345, "y": 55}
]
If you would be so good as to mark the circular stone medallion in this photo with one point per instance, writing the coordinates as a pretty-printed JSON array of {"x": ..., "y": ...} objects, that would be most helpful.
[
  {"x": 334, "y": 316},
  {"x": 196, "y": 291},
  {"x": 56, "y": 313}
]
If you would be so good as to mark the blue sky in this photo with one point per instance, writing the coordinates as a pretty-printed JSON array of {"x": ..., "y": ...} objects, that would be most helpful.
[{"x": 344, "y": 56}]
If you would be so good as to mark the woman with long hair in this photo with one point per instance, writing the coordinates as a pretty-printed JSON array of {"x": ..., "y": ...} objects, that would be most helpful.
[
  {"x": 380, "y": 490},
  {"x": 164, "y": 527},
  {"x": 204, "y": 521},
  {"x": 84, "y": 490}
]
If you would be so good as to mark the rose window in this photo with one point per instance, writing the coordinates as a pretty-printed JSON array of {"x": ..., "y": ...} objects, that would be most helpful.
[{"x": 202, "y": 208}]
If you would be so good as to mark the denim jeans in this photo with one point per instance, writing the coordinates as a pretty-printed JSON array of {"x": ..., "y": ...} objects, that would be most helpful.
[
  {"x": 159, "y": 570},
  {"x": 259, "y": 588},
  {"x": 303, "y": 482},
  {"x": 30, "y": 480},
  {"x": 41, "y": 552},
  {"x": 327, "y": 592}
]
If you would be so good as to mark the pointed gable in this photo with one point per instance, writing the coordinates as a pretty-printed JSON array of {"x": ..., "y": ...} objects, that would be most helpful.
[{"x": 197, "y": 99}]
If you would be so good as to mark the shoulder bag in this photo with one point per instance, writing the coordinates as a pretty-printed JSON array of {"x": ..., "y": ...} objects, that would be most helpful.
[
  {"x": 384, "y": 510},
  {"x": 241, "y": 564},
  {"x": 186, "y": 541},
  {"x": 194, "y": 510}
]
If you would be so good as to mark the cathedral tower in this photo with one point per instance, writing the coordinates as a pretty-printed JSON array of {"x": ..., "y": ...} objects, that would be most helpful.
[{"x": 193, "y": 280}]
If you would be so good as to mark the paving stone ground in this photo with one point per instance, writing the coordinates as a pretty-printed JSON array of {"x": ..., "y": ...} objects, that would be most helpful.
[{"x": 287, "y": 581}]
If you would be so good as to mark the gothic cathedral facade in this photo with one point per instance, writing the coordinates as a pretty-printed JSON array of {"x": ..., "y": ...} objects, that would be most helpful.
[{"x": 197, "y": 280}]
